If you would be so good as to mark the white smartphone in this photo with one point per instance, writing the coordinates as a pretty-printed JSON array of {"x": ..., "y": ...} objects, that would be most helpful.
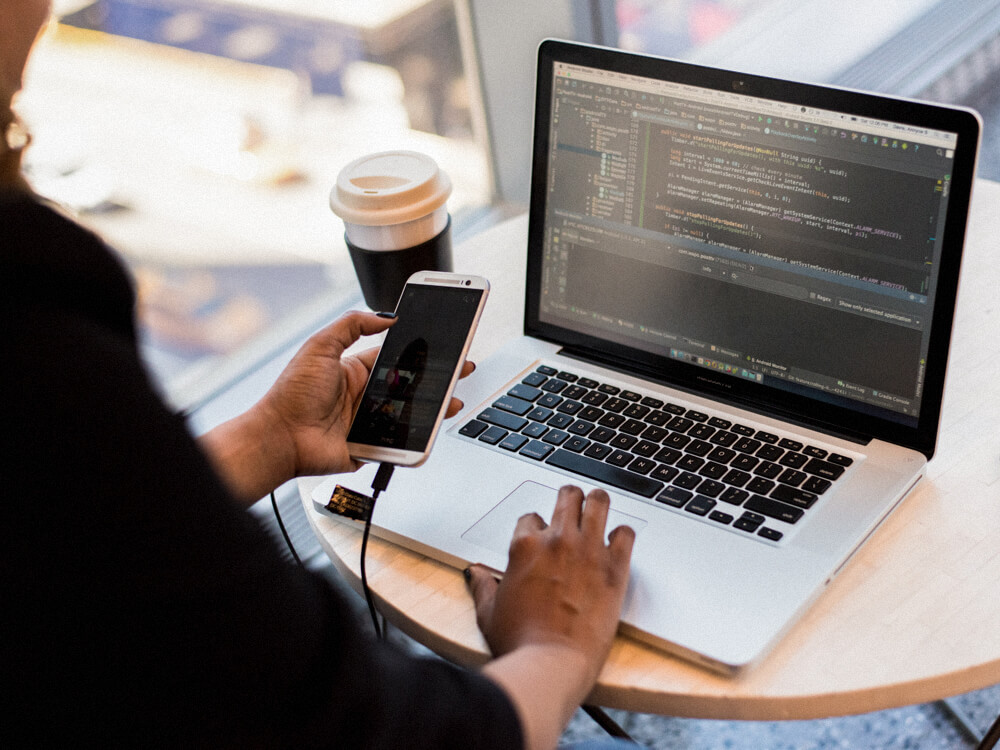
[{"x": 420, "y": 361}]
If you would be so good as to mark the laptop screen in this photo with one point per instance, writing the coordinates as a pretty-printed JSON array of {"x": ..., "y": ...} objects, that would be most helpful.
[{"x": 773, "y": 242}]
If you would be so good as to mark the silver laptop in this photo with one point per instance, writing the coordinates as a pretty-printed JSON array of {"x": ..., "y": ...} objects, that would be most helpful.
[{"x": 739, "y": 300}]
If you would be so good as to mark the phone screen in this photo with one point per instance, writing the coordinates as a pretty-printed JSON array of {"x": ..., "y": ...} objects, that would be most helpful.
[{"x": 415, "y": 366}]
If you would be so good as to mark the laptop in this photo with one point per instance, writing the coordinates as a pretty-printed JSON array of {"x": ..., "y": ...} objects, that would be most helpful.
[{"x": 739, "y": 299}]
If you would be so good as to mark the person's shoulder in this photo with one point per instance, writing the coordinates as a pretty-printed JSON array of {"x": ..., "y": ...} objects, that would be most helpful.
[{"x": 42, "y": 244}]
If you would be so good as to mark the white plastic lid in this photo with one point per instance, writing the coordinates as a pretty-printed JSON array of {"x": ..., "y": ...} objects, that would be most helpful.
[{"x": 390, "y": 187}]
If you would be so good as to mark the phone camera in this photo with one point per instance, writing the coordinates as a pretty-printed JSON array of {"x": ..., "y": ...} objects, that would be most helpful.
[{"x": 468, "y": 282}]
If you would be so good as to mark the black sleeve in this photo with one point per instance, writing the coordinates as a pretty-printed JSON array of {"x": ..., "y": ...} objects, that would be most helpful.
[{"x": 140, "y": 605}]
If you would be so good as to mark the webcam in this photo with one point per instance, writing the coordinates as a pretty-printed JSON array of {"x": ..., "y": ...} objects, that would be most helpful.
[{"x": 739, "y": 85}]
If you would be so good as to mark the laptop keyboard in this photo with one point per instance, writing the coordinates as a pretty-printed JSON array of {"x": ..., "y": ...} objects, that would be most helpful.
[{"x": 703, "y": 464}]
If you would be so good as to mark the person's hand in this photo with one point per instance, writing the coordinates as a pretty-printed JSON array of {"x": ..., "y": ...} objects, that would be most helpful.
[
  {"x": 300, "y": 426},
  {"x": 563, "y": 585},
  {"x": 315, "y": 397}
]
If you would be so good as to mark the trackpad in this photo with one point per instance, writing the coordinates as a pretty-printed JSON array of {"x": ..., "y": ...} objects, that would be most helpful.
[{"x": 494, "y": 530}]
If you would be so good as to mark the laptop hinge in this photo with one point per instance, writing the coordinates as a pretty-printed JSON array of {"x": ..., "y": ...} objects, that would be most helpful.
[{"x": 631, "y": 367}]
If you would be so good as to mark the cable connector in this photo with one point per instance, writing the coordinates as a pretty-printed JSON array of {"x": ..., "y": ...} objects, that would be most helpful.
[{"x": 381, "y": 480}]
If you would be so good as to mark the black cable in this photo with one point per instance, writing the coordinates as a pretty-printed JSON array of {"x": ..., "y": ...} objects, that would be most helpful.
[
  {"x": 281, "y": 525},
  {"x": 381, "y": 481}
]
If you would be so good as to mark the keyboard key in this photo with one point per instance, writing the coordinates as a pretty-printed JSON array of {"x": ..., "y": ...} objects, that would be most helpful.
[
  {"x": 680, "y": 424},
  {"x": 742, "y": 429},
  {"x": 676, "y": 440},
  {"x": 664, "y": 473},
  {"x": 700, "y": 506},
  {"x": 813, "y": 452},
  {"x": 602, "y": 435},
  {"x": 590, "y": 413},
  {"x": 654, "y": 434},
  {"x": 766, "y": 469},
  {"x": 576, "y": 444},
  {"x": 792, "y": 477},
  {"x": 711, "y": 488},
  {"x": 620, "y": 458},
  {"x": 736, "y": 478},
  {"x": 510, "y": 422},
  {"x": 652, "y": 403},
  {"x": 598, "y": 451},
  {"x": 770, "y": 452},
  {"x": 595, "y": 398},
  {"x": 749, "y": 522},
  {"x": 623, "y": 442},
  {"x": 696, "y": 416},
  {"x": 713, "y": 470},
  {"x": 525, "y": 392},
  {"x": 824, "y": 469},
  {"x": 534, "y": 379},
  {"x": 701, "y": 431},
  {"x": 574, "y": 392},
  {"x": 569, "y": 407},
  {"x": 816, "y": 485},
  {"x": 633, "y": 427},
  {"x": 493, "y": 435},
  {"x": 537, "y": 450},
  {"x": 658, "y": 418},
  {"x": 836, "y": 458},
  {"x": 513, "y": 442},
  {"x": 555, "y": 437},
  {"x": 645, "y": 449},
  {"x": 581, "y": 427},
  {"x": 794, "y": 496},
  {"x": 668, "y": 455},
  {"x": 560, "y": 421},
  {"x": 611, "y": 390},
  {"x": 630, "y": 395},
  {"x": 614, "y": 421},
  {"x": 744, "y": 462},
  {"x": 790, "y": 445},
  {"x": 687, "y": 480},
  {"x": 720, "y": 517},
  {"x": 724, "y": 438},
  {"x": 720, "y": 424},
  {"x": 568, "y": 377},
  {"x": 747, "y": 445},
  {"x": 734, "y": 496},
  {"x": 760, "y": 486},
  {"x": 690, "y": 463},
  {"x": 793, "y": 460},
  {"x": 513, "y": 405},
  {"x": 773, "y": 509},
  {"x": 535, "y": 430},
  {"x": 549, "y": 401},
  {"x": 605, "y": 473},
  {"x": 674, "y": 496},
  {"x": 768, "y": 533},
  {"x": 766, "y": 437},
  {"x": 615, "y": 404},
  {"x": 674, "y": 408},
  {"x": 539, "y": 414},
  {"x": 698, "y": 448},
  {"x": 473, "y": 429},
  {"x": 554, "y": 385},
  {"x": 546, "y": 370},
  {"x": 721, "y": 455},
  {"x": 587, "y": 383},
  {"x": 636, "y": 411},
  {"x": 642, "y": 465}
]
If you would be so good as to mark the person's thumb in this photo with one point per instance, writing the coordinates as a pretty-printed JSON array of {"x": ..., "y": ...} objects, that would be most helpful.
[{"x": 482, "y": 585}]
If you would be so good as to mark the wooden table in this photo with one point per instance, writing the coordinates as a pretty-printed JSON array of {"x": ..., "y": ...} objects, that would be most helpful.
[{"x": 915, "y": 616}]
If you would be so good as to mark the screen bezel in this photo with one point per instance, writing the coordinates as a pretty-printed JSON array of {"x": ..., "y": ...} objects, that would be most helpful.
[
  {"x": 409, "y": 457},
  {"x": 814, "y": 413}
]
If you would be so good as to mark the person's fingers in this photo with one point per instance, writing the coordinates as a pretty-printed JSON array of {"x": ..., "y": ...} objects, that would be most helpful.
[
  {"x": 595, "y": 515},
  {"x": 367, "y": 357},
  {"x": 468, "y": 368},
  {"x": 528, "y": 524},
  {"x": 620, "y": 543},
  {"x": 569, "y": 504},
  {"x": 483, "y": 587},
  {"x": 351, "y": 326},
  {"x": 454, "y": 407}
]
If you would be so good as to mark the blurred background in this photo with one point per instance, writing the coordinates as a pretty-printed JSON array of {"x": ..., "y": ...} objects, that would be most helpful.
[{"x": 201, "y": 137}]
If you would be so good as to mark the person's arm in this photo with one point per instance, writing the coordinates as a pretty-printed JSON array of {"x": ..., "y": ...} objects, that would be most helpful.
[{"x": 552, "y": 619}]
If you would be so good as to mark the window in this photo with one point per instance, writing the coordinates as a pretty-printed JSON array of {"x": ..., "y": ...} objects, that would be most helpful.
[{"x": 201, "y": 139}]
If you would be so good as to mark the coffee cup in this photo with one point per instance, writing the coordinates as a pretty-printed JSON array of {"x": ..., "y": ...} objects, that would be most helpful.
[{"x": 396, "y": 222}]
